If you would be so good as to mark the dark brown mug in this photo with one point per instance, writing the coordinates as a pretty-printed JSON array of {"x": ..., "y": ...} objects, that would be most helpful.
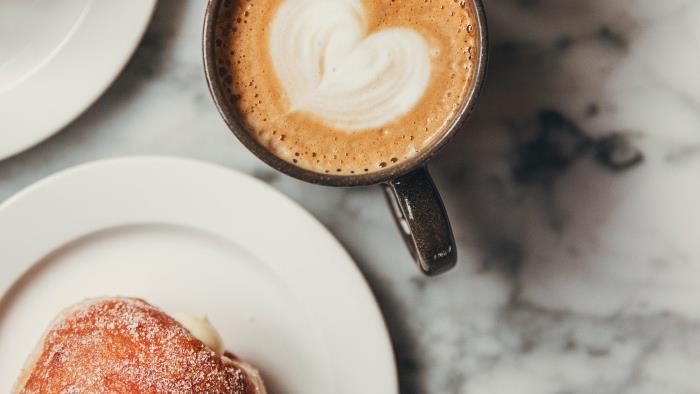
[{"x": 410, "y": 191}]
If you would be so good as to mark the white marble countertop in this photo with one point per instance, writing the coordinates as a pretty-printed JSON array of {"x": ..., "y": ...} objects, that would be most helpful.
[{"x": 574, "y": 193}]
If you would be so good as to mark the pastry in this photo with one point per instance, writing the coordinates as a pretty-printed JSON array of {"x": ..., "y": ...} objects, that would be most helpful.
[{"x": 126, "y": 345}]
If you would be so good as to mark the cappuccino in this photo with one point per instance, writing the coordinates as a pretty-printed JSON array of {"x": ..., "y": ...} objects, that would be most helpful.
[{"x": 346, "y": 86}]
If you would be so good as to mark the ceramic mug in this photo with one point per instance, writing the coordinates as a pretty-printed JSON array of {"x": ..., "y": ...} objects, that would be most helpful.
[{"x": 410, "y": 191}]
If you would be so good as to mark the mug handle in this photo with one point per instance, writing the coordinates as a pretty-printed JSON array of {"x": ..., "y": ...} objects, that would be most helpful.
[{"x": 420, "y": 215}]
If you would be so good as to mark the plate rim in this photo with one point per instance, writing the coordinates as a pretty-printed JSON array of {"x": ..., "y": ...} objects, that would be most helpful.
[
  {"x": 108, "y": 72},
  {"x": 20, "y": 268}
]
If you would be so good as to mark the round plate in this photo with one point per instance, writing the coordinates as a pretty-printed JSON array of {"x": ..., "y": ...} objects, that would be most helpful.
[
  {"x": 56, "y": 58},
  {"x": 197, "y": 238}
]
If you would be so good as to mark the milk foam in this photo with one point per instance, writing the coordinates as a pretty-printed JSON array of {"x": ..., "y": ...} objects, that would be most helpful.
[{"x": 331, "y": 68}]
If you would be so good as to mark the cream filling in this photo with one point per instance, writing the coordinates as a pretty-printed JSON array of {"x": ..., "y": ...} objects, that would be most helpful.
[{"x": 202, "y": 329}]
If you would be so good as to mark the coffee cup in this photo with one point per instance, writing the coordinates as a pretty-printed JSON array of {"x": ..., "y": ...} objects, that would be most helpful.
[{"x": 343, "y": 121}]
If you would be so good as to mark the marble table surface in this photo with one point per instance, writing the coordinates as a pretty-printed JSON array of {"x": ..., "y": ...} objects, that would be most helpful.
[{"x": 574, "y": 193}]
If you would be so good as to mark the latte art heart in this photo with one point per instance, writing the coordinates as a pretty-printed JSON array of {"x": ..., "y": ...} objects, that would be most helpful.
[{"x": 329, "y": 66}]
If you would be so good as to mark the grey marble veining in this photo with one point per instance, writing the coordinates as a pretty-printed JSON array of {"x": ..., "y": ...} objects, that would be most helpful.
[{"x": 573, "y": 193}]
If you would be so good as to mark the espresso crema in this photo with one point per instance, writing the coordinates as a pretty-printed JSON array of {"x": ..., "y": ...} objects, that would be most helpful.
[{"x": 346, "y": 86}]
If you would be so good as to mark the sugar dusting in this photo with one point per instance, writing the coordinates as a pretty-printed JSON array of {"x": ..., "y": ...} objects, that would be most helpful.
[{"x": 126, "y": 345}]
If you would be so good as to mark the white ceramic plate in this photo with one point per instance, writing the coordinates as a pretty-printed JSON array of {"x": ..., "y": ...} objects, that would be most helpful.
[
  {"x": 56, "y": 58},
  {"x": 193, "y": 237}
]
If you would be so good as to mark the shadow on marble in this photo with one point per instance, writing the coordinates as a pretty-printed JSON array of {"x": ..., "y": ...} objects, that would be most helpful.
[
  {"x": 528, "y": 142},
  {"x": 404, "y": 341}
]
